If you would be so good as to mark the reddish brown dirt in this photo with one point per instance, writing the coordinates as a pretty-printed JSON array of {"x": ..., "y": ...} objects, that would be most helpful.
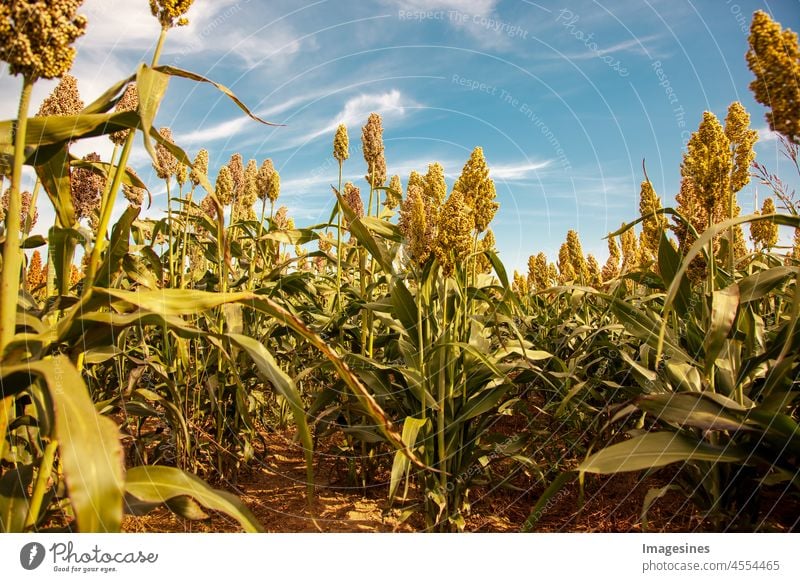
[{"x": 275, "y": 489}]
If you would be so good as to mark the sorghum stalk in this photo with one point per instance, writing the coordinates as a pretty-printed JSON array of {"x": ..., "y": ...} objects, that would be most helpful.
[
  {"x": 12, "y": 255},
  {"x": 170, "y": 251},
  {"x": 40, "y": 487},
  {"x": 339, "y": 243},
  {"x": 187, "y": 207}
]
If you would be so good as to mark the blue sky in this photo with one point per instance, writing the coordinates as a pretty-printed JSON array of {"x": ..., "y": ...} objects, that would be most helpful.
[{"x": 565, "y": 98}]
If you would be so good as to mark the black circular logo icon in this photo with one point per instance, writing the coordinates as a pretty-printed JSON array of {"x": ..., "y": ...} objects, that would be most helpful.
[{"x": 31, "y": 555}]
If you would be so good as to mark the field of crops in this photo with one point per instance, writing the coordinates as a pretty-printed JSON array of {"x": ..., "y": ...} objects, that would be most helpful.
[{"x": 221, "y": 363}]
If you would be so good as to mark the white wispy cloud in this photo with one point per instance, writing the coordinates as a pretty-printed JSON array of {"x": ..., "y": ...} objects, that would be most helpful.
[
  {"x": 392, "y": 105},
  {"x": 512, "y": 172},
  {"x": 638, "y": 46},
  {"x": 765, "y": 134},
  {"x": 225, "y": 129}
]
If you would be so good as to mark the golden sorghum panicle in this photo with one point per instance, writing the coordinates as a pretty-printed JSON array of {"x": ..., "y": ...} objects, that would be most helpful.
[
  {"x": 128, "y": 102},
  {"x": 325, "y": 242},
  {"x": 352, "y": 196},
  {"x": 281, "y": 218},
  {"x": 739, "y": 246},
  {"x": 236, "y": 166},
  {"x": 166, "y": 165},
  {"x": 453, "y": 238},
  {"x": 576, "y": 256},
  {"x": 224, "y": 186},
  {"x": 243, "y": 205},
  {"x": 35, "y": 278},
  {"x": 374, "y": 153},
  {"x": 630, "y": 251},
  {"x": 208, "y": 207},
  {"x": 538, "y": 277},
  {"x": 693, "y": 210},
  {"x": 264, "y": 179},
  {"x": 268, "y": 182},
  {"x": 170, "y": 13},
  {"x": 651, "y": 227},
  {"x": 520, "y": 284},
  {"x": 75, "y": 274},
  {"x": 552, "y": 274},
  {"x": 774, "y": 58},
  {"x": 25, "y": 198},
  {"x": 87, "y": 188},
  {"x": 765, "y": 232},
  {"x": 199, "y": 167},
  {"x": 416, "y": 179},
  {"x": 133, "y": 194},
  {"x": 595, "y": 278},
  {"x": 742, "y": 140},
  {"x": 611, "y": 268},
  {"x": 394, "y": 195},
  {"x": 416, "y": 225},
  {"x": 341, "y": 144},
  {"x": 36, "y": 36},
  {"x": 64, "y": 100},
  {"x": 482, "y": 263},
  {"x": 478, "y": 188},
  {"x": 708, "y": 162},
  {"x": 435, "y": 190},
  {"x": 532, "y": 272},
  {"x": 565, "y": 269},
  {"x": 181, "y": 174}
]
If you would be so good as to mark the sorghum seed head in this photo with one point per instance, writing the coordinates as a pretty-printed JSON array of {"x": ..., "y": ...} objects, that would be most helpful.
[
  {"x": 128, "y": 102},
  {"x": 520, "y": 284},
  {"x": 199, "y": 167},
  {"x": 133, "y": 194},
  {"x": 478, "y": 188},
  {"x": 243, "y": 206},
  {"x": 281, "y": 218},
  {"x": 774, "y": 59},
  {"x": 64, "y": 100},
  {"x": 611, "y": 268},
  {"x": 453, "y": 238},
  {"x": 352, "y": 196},
  {"x": 36, "y": 36},
  {"x": 170, "y": 13},
  {"x": 435, "y": 185},
  {"x": 87, "y": 187},
  {"x": 394, "y": 195},
  {"x": 26, "y": 198},
  {"x": 166, "y": 165},
  {"x": 415, "y": 224},
  {"x": 708, "y": 162},
  {"x": 765, "y": 232},
  {"x": 224, "y": 186},
  {"x": 341, "y": 144},
  {"x": 565, "y": 269},
  {"x": 649, "y": 202},
  {"x": 538, "y": 278},
  {"x": 236, "y": 166},
  {"x": 374, "y": 152},
  {"x": 742, "y": 140},
  {"x": 595, "y": 278},
  {"x": 325, "y": 242}
]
